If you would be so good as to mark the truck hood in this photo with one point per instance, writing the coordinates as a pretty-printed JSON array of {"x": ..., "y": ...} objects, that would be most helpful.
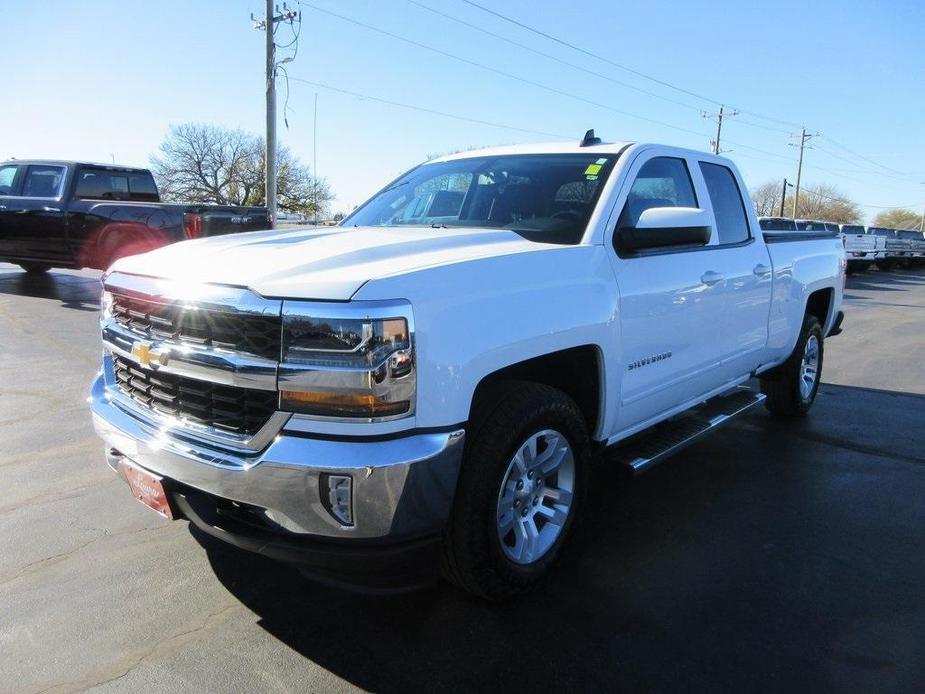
[{"x": 326, "y": 263}]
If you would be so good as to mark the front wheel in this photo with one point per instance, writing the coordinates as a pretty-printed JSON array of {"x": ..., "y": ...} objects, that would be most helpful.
[
  {"x": 791, "y": 388},
  {"x": 521, "y": 487}
]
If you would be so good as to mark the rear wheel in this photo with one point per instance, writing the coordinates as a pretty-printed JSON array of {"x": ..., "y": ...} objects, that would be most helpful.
[
  {"x": 520, "y": 490},
  {"x": 35, "y": 268},
  {"x": 791, "y": 388}
]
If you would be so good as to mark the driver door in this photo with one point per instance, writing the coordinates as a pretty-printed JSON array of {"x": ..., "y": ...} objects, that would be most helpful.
[{"x": 671, "y": 299}]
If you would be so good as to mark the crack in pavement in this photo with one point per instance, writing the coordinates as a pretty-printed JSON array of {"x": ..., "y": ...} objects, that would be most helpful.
[
  {"x": 54, "y": 559},
  {"x": 163, "y": 646}
]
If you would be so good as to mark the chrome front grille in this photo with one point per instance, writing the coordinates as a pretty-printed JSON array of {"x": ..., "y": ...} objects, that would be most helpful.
[
  {"x": 258, "y": 335},
  {"x": 199, "y": 358},
  {"x": 228, "y": 409}
]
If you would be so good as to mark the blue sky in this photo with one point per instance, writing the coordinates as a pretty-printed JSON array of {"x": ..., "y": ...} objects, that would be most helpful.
[{"x": 106, "y": 78}]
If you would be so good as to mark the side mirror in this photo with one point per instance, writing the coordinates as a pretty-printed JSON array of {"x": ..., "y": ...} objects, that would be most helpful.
[{"x": 661, "y": 227}]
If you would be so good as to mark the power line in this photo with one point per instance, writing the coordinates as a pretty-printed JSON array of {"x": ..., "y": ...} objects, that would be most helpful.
[
  {"x": 482, "y": 66},
  {"x": 424, "y": 109},
  {"x": 553, "y": 57},
  {"x": 869, "y": 160},
  {"x": 626, "y": 68}
]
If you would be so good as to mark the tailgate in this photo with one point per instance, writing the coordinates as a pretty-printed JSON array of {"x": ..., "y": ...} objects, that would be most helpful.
[{"x": 219, "y": 219}]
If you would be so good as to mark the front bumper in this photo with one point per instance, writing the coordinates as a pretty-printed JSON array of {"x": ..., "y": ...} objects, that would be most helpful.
[{"x": 402, "y": 488}]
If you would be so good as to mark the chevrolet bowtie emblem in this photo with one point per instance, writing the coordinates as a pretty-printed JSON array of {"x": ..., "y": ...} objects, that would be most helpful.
[{"x": 148, "y": 355}]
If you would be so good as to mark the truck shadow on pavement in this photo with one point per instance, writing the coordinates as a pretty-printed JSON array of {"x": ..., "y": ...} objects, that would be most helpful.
[
  {"x": 81, "y": 292},
  {"x": 776, "y": 554}
]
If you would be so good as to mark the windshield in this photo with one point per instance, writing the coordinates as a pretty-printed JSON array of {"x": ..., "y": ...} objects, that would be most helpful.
[{"x": 543, "y": 197}]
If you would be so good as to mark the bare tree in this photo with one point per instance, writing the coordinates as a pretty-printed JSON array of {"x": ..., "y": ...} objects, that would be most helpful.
[
  {"x": 823, "y": 202},
  {"x": 205, "y": 163},
  {"x": 766, "y": 198},
  {"x": 898, "y": 219}
]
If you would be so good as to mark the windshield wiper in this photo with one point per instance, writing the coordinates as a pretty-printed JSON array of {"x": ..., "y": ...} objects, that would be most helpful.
[{"x": 438, "y": 226}]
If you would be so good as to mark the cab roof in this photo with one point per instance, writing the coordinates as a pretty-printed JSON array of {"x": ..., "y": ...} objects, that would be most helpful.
[{"x": 68, "y": 162}]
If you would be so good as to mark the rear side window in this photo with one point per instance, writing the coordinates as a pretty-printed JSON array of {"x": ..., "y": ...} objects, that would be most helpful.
[
  {"x": 43, "y": 182},
  {"x": 728, "y": 208},
  {"x": 661, "y": 182},
  {"x": 105, "y": 184},
  {"x": 7, "y": 177}
]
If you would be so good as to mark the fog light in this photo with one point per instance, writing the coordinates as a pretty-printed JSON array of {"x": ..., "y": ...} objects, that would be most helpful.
[{"x": 337, "y": 497}]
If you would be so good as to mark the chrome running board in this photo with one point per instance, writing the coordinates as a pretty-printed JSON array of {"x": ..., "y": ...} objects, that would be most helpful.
[{"x": 644, "y": 450}]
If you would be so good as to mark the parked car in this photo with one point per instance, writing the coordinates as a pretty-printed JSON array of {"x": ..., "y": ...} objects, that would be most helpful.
[
  {"x": 777, "y": 224},
  {"x": 75, "y": 214},
  {"x": 896, "y": 249},
  {"x": 862, "y": 249},
  {"x": 915, "y": 244},
  {"x": 428, "y": 381}
]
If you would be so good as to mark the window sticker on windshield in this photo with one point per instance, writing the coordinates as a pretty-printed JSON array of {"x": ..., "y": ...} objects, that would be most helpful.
[
  {"x": 593, "y": 169},
  {"x": 602, "y": 160},
  {"x": 591, "y": 178}
]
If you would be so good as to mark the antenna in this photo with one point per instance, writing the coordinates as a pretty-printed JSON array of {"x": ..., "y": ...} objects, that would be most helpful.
[{"x": 589, "y": 139}]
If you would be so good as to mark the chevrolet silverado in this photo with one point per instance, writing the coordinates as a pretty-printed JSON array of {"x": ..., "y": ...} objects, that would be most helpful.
[{"x": 426, "y": 384}]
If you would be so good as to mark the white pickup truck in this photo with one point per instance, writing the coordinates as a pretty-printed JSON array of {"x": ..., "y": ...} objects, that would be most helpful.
[
  {"x": 427, "y": 382},
  {"x": 861, "y": 249}
]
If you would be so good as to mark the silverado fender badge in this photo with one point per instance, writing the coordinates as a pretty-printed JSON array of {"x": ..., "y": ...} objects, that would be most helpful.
[
  {"x": 633, "y": 365},
  {"x": 147, "y": 355}
]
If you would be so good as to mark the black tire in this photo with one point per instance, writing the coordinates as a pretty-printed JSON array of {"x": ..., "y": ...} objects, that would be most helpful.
[
  {"x": 886, "y": 265},
  {"x": 35, "y": 268},
  {"x": 782, "y": 384},
  {"x": 505, "y": 417},
  {"x": 852, "y": 267}
]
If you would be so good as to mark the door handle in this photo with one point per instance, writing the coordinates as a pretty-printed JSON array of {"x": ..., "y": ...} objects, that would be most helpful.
[
  {"x": 710, "y": 277},
  {"x": 762, "y": 270},
  {"x": 46, "y": 208}
]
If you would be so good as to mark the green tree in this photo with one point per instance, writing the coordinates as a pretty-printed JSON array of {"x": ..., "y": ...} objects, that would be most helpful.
[
  {"x": 898, "y": 219},
  {"x": 206, "y": 163}
]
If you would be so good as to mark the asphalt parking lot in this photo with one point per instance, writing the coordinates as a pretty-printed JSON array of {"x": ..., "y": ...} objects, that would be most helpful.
[{"x": 785, "y": 556}]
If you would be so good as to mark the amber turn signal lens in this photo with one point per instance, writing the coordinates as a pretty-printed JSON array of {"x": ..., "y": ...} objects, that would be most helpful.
[{"x": 340, "y": 404}]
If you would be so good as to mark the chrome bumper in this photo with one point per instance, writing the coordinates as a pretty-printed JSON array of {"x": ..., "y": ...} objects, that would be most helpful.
[{"x": 402, "y": 487}]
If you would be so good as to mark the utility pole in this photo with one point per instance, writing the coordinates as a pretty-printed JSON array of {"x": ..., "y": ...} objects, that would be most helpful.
[
  {"x": 804, "y": 136},
  {"x": 783, "y": 197},
  {"x": 270, "y": 173},
  {"x": 268, "y": 24},
  {"x": 315, "y": 160},
  {"x": 719, "y": 125}
]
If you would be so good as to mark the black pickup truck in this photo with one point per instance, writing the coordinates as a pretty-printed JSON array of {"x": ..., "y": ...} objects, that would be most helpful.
[{"x": 76, "y": 214}]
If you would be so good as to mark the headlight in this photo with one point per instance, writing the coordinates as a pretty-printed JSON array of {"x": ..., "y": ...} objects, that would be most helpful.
[
  {"x": 343, "y": 366},
  {"x": 106, "y": 305}
]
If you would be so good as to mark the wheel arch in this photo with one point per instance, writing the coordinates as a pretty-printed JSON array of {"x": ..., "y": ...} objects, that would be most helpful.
[{"x": 576, "y": 371}]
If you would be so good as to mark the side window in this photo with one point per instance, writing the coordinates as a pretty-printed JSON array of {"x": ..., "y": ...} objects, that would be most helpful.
[
  {"x": 661, "y": 182},
  {"x": 7, "y": 176},
  {"x": 728, "y": 208},
  {"x": 43, "y": 182}
]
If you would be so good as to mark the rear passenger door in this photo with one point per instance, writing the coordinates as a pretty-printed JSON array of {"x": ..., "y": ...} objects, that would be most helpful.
[{"x": 746, "y": 267}]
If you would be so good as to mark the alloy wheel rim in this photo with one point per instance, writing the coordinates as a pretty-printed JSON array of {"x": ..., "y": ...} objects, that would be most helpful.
[
  {"x": 536, "y": 496},
  {"x": 809, "y": 367}
]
